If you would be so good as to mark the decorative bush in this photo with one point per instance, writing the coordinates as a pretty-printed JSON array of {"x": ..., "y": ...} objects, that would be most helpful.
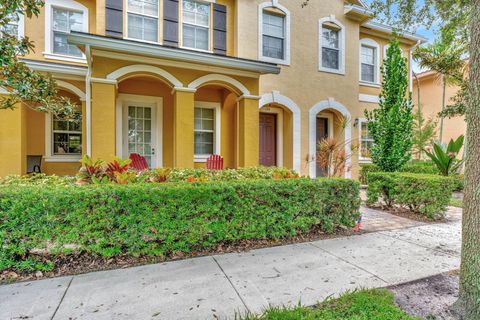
[
  {"x": 164, "y": 219},
  {"x": 427, "y": 195},
  {"x": 158, "y": 175},
  {"x": 423, "y": 167}
]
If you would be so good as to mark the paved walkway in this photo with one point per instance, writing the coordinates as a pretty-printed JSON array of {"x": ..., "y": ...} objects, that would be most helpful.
[{"x": 220, "y": 286}]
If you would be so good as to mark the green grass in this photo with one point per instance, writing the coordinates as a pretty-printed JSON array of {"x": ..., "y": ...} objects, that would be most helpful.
[
  {"x": 456, "y": 202},
  {"x": 376, "y": 304}
]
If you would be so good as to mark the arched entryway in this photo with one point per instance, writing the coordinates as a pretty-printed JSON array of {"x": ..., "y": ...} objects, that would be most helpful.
[
  {"x": 324, "y": 121},
  {"x": 280, "y": 130}
]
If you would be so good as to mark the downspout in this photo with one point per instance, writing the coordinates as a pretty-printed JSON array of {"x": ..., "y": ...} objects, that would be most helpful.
[
  {"x": 88, "y": 105},
  {"x": 419, "y": 42}
]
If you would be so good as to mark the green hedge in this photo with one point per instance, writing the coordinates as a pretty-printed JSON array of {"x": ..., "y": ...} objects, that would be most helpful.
[
  {"x": 427, "y": 195},
  {"x": 423, "y": 167},
  {"x": 163, "y": 219}
]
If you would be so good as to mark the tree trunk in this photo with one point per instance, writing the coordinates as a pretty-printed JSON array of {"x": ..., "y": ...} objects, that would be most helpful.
[{"x": 469, "y": 301}]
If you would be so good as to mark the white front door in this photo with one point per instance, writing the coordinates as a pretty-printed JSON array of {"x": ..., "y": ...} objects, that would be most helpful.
[{"x": 139, "y": 131}]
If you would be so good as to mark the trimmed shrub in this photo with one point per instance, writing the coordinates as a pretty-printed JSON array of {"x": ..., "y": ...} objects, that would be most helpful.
[
  {"x": 427, "y": 195},
  {"x": 160, "y": 220},
  {"x": 423, "y": 167}
]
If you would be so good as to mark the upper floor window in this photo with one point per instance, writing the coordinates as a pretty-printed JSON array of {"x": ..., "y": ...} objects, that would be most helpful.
[
  {"x": 142, "y": 20},
  {"x": 14, "y": 26},
  {"x": 196, "y": 25},
  {"x": 64, "y": 21},
  {"x": 274, "y": 37},
  {"x": 332, "y": 56},
  {"x": 62, "y": 17},
  {"x": 369, "y": 61}
]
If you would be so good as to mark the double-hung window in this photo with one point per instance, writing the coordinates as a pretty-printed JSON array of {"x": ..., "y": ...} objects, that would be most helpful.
[
  {"x": 142, "y": 20},
  {"x": 368, "y": 64},
  {"x": 196, "y": 25},
  {"x": 63, "y": 21},
  {"x": 12, "y": 26},
  {"x": 273, "y": 35},
  {"x": 366, "y": 141},
  {"x": 330, "y": 47},
  {"x": 204, "y": 128},
  {"x": 67, "y": 136}
]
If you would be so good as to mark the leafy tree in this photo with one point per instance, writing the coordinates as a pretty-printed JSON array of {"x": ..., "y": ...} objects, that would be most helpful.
[
  {"x": 462, "y": 16},
  {"x": 444, "y": 56},
  {"x": 391, "y": 124},
  {"x": 424, "y": 131},
  {"x": 37, "y": 91}
]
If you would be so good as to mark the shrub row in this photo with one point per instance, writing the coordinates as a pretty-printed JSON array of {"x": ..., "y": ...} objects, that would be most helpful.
[
  {"x": 421, "y": 167},
  {"x": 164, "y": 175},
  {"x": 164, "y": 219},
  {"x": 427, "y": 195}
]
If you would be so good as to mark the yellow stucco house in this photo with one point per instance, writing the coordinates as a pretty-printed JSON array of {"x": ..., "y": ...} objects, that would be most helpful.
[
  {"x": 431, "y": 96},
  {"x": 256, "y": 81}
]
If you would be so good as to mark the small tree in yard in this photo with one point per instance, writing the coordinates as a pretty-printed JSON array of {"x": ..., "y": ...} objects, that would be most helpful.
[
  {"x": 391, "y": 124},
  {"x": 424, "y": 131},
  {"x": 35, "y": 90}
]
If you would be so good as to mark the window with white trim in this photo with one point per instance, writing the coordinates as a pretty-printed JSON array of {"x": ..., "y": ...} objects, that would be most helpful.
[
  {"x": 67, "y": 136},
  {"x": 142, "y": 20},
  {"x": 63, "y": 21},
  {"x": 273, "y": 35},
  {"x": 366, "y": 141},
  {"x": 195, "y": 25},
  {"x": 204, "y": 128},
  {"x": 368, "y": 64},
  {"x": 12, "y": 26}
]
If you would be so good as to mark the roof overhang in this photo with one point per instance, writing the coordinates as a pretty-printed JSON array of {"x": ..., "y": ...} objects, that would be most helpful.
[
  {"x": 58, "y": 70},
  {"x": 169, "y": 53},
  {"x": 383, "y": 28},
  {"x": 357, "y": 13}
]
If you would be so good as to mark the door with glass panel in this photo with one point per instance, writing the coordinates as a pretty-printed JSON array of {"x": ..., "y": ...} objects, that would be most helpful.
[{"x": 140, "y": 131}]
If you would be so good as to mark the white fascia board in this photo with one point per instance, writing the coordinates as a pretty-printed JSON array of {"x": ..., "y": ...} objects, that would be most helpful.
[
  {"x": 153, "y": 50},
  {"x": 388, "y": 29}
]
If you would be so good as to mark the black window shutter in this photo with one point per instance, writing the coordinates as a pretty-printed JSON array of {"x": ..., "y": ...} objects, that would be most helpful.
[
  {"x": 219, "y": 29},
  {"x": 114, "y": 18},
  {"x": 170, "y": 23}
]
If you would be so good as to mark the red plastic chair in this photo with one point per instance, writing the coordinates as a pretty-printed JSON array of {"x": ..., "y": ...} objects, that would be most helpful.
[
  {"x": 138, "y": 162},
  {"x": 215, "y": 162}
]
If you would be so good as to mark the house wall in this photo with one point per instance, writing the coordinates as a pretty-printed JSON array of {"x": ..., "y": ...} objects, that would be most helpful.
[{"x": 431, "y": 92}]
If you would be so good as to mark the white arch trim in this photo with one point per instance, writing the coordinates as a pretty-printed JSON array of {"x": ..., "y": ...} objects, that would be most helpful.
[
  {"x": 117, "y": 74},
  {"x": 276, "y": 97},
  {"x": 71, "y": 88},
  {"x": 195, "y": 84},
  {"x": 274, "y": 4},
  {"x": 341, "y": 40},
  {"x": 330, "y": 103}
]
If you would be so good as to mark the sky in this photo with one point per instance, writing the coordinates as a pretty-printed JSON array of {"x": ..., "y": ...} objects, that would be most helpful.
[{"x": 428, "y": 33}]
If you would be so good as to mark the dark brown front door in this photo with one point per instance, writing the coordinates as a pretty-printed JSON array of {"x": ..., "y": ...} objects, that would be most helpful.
[
  {"x": 322, "y": 133},
  {"x": 268, "y": 139}
]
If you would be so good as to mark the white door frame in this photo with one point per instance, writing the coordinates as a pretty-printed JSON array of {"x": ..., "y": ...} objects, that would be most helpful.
[
  {"x": 123, "y": 100},
  {"x": 278, "y": 133}
]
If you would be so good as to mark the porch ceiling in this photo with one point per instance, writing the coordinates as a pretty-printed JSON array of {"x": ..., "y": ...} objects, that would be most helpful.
[{"x": 169, "y": 53}]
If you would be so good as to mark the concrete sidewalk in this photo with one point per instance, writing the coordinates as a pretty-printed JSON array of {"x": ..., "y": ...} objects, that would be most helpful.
[{"x": 220, "y": 286}]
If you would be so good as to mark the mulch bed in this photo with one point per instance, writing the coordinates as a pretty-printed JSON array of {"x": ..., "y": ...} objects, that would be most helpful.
[
  {"x": 429, "y": 298},
  {"x": 83, "y": 262},
  {"x": 405, "y": 213}
]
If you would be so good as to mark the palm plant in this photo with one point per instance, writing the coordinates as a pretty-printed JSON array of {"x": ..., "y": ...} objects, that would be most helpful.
[
  {"x": 445, "y": 158},
  {"x": 444, "y": 56},
  {"x": 424, "y": 131}
]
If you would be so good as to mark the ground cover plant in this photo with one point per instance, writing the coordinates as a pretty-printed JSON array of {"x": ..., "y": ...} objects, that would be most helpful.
[
  {"x": 426, "y": 195},
  {"x": 40, "y": 222},
  {"x": 375, "y": 304}
]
